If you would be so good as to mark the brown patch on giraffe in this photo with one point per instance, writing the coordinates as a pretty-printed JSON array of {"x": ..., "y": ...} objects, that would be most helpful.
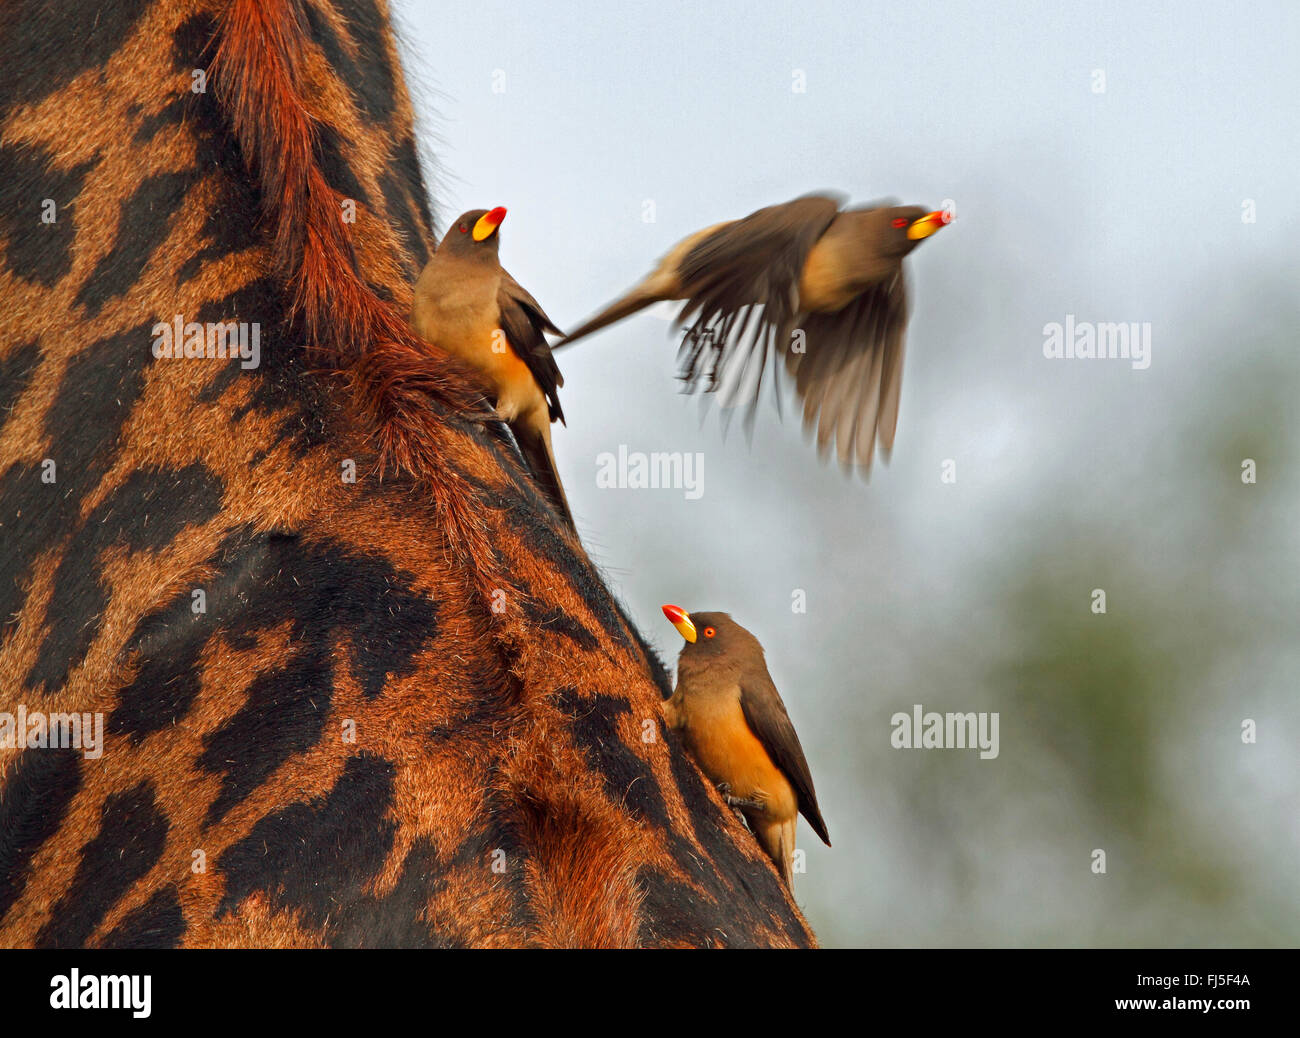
[
  {"x": 582, "y": 877},
  {"x": 258, "y": 925}
]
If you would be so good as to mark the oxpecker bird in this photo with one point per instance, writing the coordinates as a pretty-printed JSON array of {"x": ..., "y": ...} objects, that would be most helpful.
[
  {"x": 734, "y": 724},
  {"x": 820, "y": 285},
  {"x": 469, "y": 305}
]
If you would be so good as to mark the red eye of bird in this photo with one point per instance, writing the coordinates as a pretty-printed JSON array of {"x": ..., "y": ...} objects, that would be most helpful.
[
  {"x": 709, "y": 632},
  {"x": 900, "y": 222},
  {"x": 463, "y": 229}
]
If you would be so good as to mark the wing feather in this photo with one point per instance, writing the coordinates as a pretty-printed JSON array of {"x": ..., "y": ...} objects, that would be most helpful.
[
  {"x": 743, "y": 283},
  {"x": 526, "y": 324},
  {"x": 767, "y": 719},
  {"x": 849, "y": 377}
]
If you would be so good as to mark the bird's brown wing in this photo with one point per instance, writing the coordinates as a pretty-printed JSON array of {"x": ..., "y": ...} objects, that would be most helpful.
[
  {"x": 525, "y": 324},
  {"x": 850, "y": 372},
  {"x": 743, "y": 282},
  {"x": 765, "y": 714}
]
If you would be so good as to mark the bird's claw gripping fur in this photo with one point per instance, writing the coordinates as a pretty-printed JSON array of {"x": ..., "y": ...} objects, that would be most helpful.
[{"x": 738, "y": 804}]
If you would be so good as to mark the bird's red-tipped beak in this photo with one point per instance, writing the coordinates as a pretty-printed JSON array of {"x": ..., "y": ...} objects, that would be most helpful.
[
  {"x": 927, "y": 225},
  {"x": 489, "y": 222},
  {"x": 680, "y": 619}
]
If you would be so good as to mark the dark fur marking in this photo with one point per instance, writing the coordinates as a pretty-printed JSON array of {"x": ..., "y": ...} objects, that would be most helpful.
[
  {"x": 36, "y": 251},
  {"x": 158, "y": 923},
  {"x": 193, "y": 42},
  {"x": 674, "y": 912},
  {"x": 16, "y": 369},
  {"x": 406, "y": 165},
  {"x": 544, "y": 537},
  {"x": 476, "y": 705},
  {"x": 132, "y": 834},
  {"x": 284, "y": 714},
  {"x": 193, "y": 47},
  {"x": 394, "y": 920},
  {"x": 16, "y": 495},
  {"x": 329, "y": 595},
  {"x": 629, "y": 780},
  {"x": 282, "y": 382},
  {"x": 337, "y": 170},
  {"x": 141, "y": 229},
  {"x": 540, "y": 533},
  {"x": 47, "y": 45},
  {"x": 397, "y": 203},
  {"x": 230, "y": 226},
  {"x": 99, "y": 389},
  {"x": 555, "y": 621},
  {"x": 504, "y": 832},
  {"x": 167, "y": 682},
  {"x": 372, "y": 82},
  {"x": 232, "y": 222},
  {"x": 751, "y": 884},
  {"x": 33, "y": 801},
  {"x": 171, "y": 499},
  {"x": 318, "y": 855},
  {"x": 658, "y": 672}
]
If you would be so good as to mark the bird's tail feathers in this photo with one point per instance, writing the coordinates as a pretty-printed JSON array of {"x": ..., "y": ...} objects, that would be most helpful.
[
  {"x": 638, "y": 299},
  {"x": 777, "y": 839},
  {"x": 536, "y": 448}
]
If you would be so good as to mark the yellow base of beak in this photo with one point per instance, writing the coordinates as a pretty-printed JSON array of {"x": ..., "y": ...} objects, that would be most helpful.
[
  {"x": 681, "y": 619},
  {"x": 485, "y": 226},
  {"x": 926, "y": 225}
]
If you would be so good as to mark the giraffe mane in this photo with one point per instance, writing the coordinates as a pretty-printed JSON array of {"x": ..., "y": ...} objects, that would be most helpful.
[{"x": 413, "y": 400}]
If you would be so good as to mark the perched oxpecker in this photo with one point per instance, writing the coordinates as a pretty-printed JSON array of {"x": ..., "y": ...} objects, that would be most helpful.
[
  {"x": 469, "y": 305},
  {"x": 734, "y": 724}
]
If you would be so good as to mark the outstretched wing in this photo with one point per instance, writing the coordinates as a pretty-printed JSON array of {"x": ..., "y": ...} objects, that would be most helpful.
[
  {"x": 743, "y": 281},
  {"x": 850, "y": 371},
  {"x": 526, "y": 324},
  {"x": 765, "y": 714}
]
